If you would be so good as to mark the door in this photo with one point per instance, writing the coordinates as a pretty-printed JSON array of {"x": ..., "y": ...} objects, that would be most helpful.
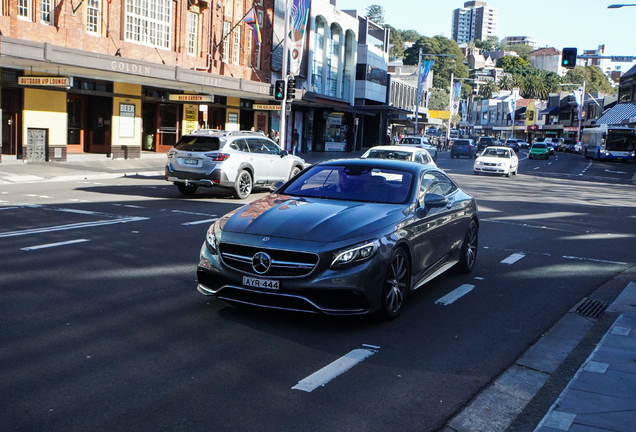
[
  {"x": 259, "y": 159},
  {"x": 11, "y": 102},
  {"x": 99, "y": 113},
  {"x": 76, "y": 124},
  {"x": 168, "y": 126}
]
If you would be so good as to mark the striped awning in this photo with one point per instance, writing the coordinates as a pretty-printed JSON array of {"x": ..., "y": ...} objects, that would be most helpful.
[{"x": 618, "y": 114}]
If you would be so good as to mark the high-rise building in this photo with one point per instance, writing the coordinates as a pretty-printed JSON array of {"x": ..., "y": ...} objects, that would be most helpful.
[{"x": 475, "y": 21}]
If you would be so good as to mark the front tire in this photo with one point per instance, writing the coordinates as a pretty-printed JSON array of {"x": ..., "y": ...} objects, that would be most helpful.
[
  {"x": 397, "y": 284},
  {"x": 188, "y": 190},
  {"x": 468, "y": 252},
  {"x": 294, "y": 172},
  {"x": 243, "y": 185}
]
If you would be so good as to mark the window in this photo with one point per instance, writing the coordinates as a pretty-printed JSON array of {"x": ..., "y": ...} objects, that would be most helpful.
[
  {"x": 47, "y": 18},
  {"x": 226, "y": 42},
  {"x": 24, "y": 9},
  {"x": 193, "y": 33},
  {"x": 149, "y": 22},
  {"x": 92, "y": 16},
  {"x": 236, "y": 49}
]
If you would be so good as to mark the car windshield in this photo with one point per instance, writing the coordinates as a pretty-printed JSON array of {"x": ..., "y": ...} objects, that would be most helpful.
[
  {"x": 352, "y": 183},
  {"x": 538, "y": 146},
  {"x": 410, "y": 141},
  {"x": 498, "y": 153},
  {"x": 198, "y": 143},
  {"x": 387, "y": 154}
]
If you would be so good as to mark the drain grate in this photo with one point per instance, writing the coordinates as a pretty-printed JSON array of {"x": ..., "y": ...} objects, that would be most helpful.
[{"x": 590, "y": 308}]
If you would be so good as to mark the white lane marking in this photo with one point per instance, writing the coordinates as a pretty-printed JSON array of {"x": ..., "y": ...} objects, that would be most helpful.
[
  {"x": 479, "y": 278},
  {"x": 85, "y": 212},
  {"x": 513, "y": 258},
  {"x": 133, "y": 206},
  {"x": 331, "y": 371},
  {"x": 200, "y": 221},
  {"x": 192, "y": 213},
  {"x": 536, "y": 168},
  {"x": 595, "y": 260},
  {"x": 455, "y": 294},
  {"x": 8, "y": 208},
  {"x": 50, "y": 245},
  {"x": 615, "y": 172},
  {"x": 71, "y": 226}
]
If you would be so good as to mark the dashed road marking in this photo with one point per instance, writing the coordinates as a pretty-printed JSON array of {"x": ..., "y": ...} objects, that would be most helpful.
[
  {"x": 513, "y": 258},
  {"x": 334, "y": 369},
  {"x": 200, "y": 221},
  {"x": 595, "y": 260},
  {"x": 71, "y": 226},
  {"x": 455, "y": 294},
  {"x": 50, "y": 245}
]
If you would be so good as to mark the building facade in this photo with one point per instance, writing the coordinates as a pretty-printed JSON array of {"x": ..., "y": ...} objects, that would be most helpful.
[
  {"x": 548, "y": 59},
  {"x": 512, "y": 41},
  {"x": 475, "y": 21}
]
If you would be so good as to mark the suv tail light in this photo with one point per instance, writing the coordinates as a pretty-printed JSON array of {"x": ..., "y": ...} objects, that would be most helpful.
[{"x": 219, "y": 157}]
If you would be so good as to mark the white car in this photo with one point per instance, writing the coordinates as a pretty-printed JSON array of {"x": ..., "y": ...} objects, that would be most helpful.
[
  {"x": 413, "y": 154},
  {"x": 577, "y": 147},
  {"x": 497, "y": 160},
  {"x": 419, "y": 141}
]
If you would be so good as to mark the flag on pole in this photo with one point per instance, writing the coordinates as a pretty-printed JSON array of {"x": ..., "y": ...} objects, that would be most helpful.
[
  {"x": 511, "y": 109},
  {"x": 251, "y": 20},
  {"x": 425, "y": 69}
]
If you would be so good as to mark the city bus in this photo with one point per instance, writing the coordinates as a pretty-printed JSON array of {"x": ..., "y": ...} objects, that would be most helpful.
[{"x": 609, "y": 143}]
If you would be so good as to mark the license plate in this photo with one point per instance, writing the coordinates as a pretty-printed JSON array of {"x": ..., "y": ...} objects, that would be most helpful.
[
  {"x": 191, "y": 161},
  {"x": 260, "y": 283}
]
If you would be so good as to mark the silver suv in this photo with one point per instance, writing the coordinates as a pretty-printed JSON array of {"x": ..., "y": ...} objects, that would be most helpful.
[
  {"x": 234, "y": 160},
  {"x": 421, "y": 142}
]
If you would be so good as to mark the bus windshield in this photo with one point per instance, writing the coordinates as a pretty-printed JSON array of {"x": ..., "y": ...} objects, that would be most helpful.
[{"x": 619, "y": 140}]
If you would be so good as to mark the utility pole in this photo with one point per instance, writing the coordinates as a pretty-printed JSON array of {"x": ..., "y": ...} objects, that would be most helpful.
[
  {"x": 283, "y": 103},
  {"x": 419, "y": 91},
  {"x": 578, "y": 135},
  {"x": 450, "y": 108}
]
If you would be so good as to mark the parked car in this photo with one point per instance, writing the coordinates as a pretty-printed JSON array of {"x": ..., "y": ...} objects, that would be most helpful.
[
  {"x": 565, "y": 145},
  {"x": 485, "y": 142},
  {"x": 551, "y": 143},
  {"x": 463, "y": 147},
  {"x": 345, "y": 237},
  {"x": 413, "y": 154},
  {"x": 497, "y": 160},
  {"x": 235, "y": 161},
  {"x": 513, "y": 144},
  {"x": 421, "y": 142},
  {"x": 539, "y": 150}
]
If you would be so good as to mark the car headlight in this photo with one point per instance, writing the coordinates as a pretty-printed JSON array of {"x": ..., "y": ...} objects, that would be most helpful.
[
  {"x": 501, "y": 164},
  {"x": 210, "y": 238},
  {"x": 478, "y": 162},
  {"x": 355, "y": 254}
]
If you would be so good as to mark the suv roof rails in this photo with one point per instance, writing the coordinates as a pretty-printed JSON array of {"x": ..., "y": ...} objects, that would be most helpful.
[{"x": 245, "y": 133}]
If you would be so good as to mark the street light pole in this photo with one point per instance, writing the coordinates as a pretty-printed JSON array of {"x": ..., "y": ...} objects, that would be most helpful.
[
  {"x": 450, "y": 108},
  {"x": 617, "y": 6},
  {"x": 419, "y": 91},
  {"x": 283, "y": 103}
]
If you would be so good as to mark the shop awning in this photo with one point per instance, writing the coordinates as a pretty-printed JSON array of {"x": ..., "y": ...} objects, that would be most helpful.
[
  {"x": 619, "y": 114},
  {"x": 550, "y": 111}
]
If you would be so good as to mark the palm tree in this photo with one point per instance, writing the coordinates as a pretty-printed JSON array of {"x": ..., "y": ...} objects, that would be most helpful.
[
  {"x": 507, "y": 82},
  {"x": 486, "y": 90}
]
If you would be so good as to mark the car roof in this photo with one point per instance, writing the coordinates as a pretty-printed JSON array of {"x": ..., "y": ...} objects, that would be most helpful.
[
  {"x": 497, "y": 147},
  {"x": 397, "y": 148}
]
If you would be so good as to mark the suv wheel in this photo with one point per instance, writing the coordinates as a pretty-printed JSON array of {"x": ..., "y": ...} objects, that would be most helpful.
[
  {"x": 243, "y": 185},
  {"x": 295, "y": 171},
  {"x": 189, "y": 189}
]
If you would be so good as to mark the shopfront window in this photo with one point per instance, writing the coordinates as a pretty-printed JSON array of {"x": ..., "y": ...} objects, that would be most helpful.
[{"x": 335, "y": 135}]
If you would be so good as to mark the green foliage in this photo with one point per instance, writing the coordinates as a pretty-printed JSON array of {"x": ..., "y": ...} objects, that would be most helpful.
[
  {"x": 376, "y": 14},
  {"x": 396, "y": 42},
  {"x": 410, "y": 35},
  {"x": 486, "y": 90},
  {"x": 443, "y": 66},
  {"x": 511, "y": 64},
  {"x": 490, "y": 44},
  {"x": 522, "y": 51},
  {"x": 439, "y": 100},
  {"x": 595, "y": 80}
]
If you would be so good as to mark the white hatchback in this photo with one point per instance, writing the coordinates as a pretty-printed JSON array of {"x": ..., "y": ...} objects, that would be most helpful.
[{"x": 497, "y": 160}]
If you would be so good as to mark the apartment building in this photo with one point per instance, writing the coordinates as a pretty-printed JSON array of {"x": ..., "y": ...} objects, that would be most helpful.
[{"x": 475, "y": 21}]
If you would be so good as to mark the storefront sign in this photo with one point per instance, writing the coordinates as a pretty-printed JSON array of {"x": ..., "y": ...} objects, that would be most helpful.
[
  {"x": 190, "y": 114},
  {"x": 439, "y": 114},
  {"x": 126, "y": 120},
  {"x": 570, "y": 129},
  {"x": 266, "y": 107},
  {"x": 190, "y": 98},
  {"x": 46, "y": 81}
]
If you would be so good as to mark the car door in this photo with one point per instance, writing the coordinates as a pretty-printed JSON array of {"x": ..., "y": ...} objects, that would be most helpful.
[
  {"x": 279, "y": 165},
  {"x": 259, "y": 159},
  {"x": 514, "y": 161}
]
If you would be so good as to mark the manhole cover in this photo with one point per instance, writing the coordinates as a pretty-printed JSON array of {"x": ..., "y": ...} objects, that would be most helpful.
[{"x": 590, "y": 308}]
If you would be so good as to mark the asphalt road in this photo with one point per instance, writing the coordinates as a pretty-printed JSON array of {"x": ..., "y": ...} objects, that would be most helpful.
[{"x": 102, "y": 329}]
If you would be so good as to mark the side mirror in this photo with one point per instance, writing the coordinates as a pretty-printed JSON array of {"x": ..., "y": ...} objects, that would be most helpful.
[
  {"x": 283, "y": 153},
  {"x": 275, "y": 186},
  {"x": 431, "y": 201}
]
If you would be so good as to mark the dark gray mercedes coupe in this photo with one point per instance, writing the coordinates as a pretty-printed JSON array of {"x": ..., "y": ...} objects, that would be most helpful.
[{"x": 343, "y": 237}]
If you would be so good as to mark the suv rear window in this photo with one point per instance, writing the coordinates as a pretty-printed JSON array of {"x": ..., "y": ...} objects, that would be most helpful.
[
  {"x": 461, "y": 142},
  {"x": 485, "y": 140},
  {"x": 410, "y": 141},
  {"x": 198, "y": 143}
]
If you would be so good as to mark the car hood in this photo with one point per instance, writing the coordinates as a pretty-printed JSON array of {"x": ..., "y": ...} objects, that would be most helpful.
[
  {"x": 311, "y": 219},
  {"x": 490, "y": 159}
]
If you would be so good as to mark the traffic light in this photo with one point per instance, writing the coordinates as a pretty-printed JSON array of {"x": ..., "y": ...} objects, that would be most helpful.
[
  {"x": 279, "y": 90},
  {"x": 568, "y": 58},
  {"x": 291, "y": 88}
]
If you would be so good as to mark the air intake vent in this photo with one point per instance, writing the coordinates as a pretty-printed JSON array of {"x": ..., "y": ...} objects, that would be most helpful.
[{"x": 590, "y": 308}]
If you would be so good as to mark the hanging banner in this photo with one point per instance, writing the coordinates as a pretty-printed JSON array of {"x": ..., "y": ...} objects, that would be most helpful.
[
  {"x": 427, "y": 65},
  {"x": 298, "y": 23},
  {"x": 457, "y": 90}
]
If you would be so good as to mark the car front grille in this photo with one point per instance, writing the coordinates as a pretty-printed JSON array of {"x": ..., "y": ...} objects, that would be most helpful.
[{"x": 284, "y": 263}]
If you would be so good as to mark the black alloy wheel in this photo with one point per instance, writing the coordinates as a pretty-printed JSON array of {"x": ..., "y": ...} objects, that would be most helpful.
[
  {"x": 397, "y": 285},
  {"x": 188, "y": 189},
  {"x": 243, "y": 185},
  {"x": 468, "y": 253}
]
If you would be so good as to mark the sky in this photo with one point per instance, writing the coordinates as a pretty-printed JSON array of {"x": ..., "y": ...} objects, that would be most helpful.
[{"x": 584, "y": 24}]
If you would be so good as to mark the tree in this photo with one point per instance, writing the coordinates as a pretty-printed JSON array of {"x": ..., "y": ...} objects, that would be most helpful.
[
  {"x": 439, "y": 100},
  {"x": 443, "y": 66},
  {"x": 376, "y": 14},
  {"x": 486, "y": 90},
  {"x": 396, "y": 43},
  {"x": 410, "y": 35},
  {"x": 522, "y": 51},
  {"x": 595, "y": 79},
  {"x": 507, "y": 82},
  {"x": 490, "y": 44},
  {"x": 510, "y": 64}
]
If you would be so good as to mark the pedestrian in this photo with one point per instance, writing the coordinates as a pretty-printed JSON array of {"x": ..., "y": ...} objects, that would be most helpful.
[{"x": 295, "y": 141}]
